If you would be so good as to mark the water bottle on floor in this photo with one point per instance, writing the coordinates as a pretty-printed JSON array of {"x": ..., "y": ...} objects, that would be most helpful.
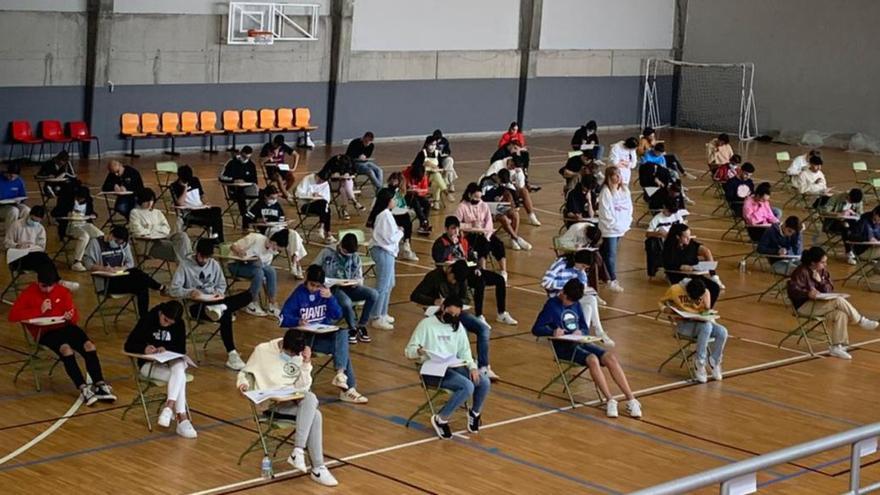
[{"x": 266, "y": 468}]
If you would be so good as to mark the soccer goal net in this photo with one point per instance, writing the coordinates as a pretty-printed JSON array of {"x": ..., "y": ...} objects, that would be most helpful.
[{"x": 706, "y": 97}]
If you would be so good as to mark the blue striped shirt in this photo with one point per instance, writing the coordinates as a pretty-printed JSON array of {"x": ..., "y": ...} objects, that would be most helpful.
[{"x": 558, "y": 274}]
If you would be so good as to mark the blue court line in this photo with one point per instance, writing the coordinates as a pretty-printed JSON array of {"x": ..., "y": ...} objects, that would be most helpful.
[{"x": 784, "y": 405}]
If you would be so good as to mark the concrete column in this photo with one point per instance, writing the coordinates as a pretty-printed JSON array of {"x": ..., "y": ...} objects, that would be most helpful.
[
  {"x": 341, "y": 13},
  {"x": 678, "y": 35},
  {"x": 98, "y": 24},
  {"x": 530, "y": 12}
]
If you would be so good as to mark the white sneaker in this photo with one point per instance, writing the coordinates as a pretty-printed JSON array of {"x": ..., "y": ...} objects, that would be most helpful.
[
  {"x": 839, "y": 352},
  {"x": 340, "y": 381},
  {"x": 309, "y": 143},
  {"x": 614, "y": 286},
  {"x": 215, "y": 311},
  {"x": 352, "y": 396},
  {"x": 297, "y": 271},
  {"x": 381, "y": 323},
  {"x": 514, "y": 245},
  {"x": 634, "y": 408},
  {"x": 700, "y": 373},
  {"x": 717, "y": 374},
  {"x": 78, "y": 267},
  {"x": 491, "y": 375},
  {"x": 602, "y": 302},
  {"x": 506, "y": 319},
  {"x": 165, "y": 417},
  {"x": 868, "y": 324},
  {"x": 406, "y": 253},
  {"x": 504, "y": 276},
  {"x": 274, "y": 311},
  {"x": 322, "y": 476},
  {"x": 254, "y": 310},
  {"x": 690, "y": 176},
  {"x": 71, "y": 286},
  {"x": 611, "y": 408},
  {"x": 851, "y": 259},
  {"x": 533, "y": 219},
  {"x": 186, "y": 430},
  {"x": 717, "y": 280},
  {"x": 297, "y": 459},
  {"x": 234, "y": 362},
  {"x": 482, "y": 318},
  {"x": 389, "y": 319},
  {"x": 524, "y": 244}
]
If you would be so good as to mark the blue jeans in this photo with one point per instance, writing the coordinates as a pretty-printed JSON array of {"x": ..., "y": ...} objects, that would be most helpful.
[
  {"x": 371, "y": 170},
  {"x": 257, "y": 273},
  {"x": 777, "y": 212},
  {"x": 384, "y": 279},
  {"x": 459, "y": 381},
  {"x": 473, "y": 325},
  {"x": 336, "y": 343},
  {"x": 703, "y": 331},
  {"x": 599, "y": 150},
  {"x": 347, "y": 295},
  {"x": 608, "y": 250}
]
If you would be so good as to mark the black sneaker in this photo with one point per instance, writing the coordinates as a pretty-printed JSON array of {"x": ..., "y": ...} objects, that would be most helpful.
[
  {"x": 442, "y": 429},
  {"x": 104, "y": 392},
  {"x": 473, "y": 424},
  {"x": 534, "y": 188},
  {"x": 352, "y": 337},
  {"x": 363, "y": 335},
  {"x": 88, "y": 395}
]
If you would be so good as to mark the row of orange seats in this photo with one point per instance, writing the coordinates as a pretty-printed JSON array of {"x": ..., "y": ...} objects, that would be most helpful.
[{"x": 188, "y": 123}]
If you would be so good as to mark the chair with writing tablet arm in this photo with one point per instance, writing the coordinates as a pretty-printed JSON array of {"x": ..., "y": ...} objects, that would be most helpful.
[
  {"x": 807, "y": 325},
  {"x": 39, "y": 358},
  {"x": 144, "y": 384},
  {"x": 108, "y": 304},
  {"x": 269, "y": 424},
  {"x": 686, "y": 344},
  {"x": 564, "y": 369},
  {"x": 431, "y": 394}
]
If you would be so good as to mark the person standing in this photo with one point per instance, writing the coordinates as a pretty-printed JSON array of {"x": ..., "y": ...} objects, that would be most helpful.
[{"x": 615, "y": 216}]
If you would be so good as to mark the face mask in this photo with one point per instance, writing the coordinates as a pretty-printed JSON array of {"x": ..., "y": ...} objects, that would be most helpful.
[
  {"x": 590, "y": 132},
  {"x": 450, "y": 320},
  {"x": 271, "y": 202},
  {"x": 286, "y": 357},
  {"x": 432, "y": 148},
  {"x": 245, "y": 159},
  {"x": 114, "y": 244},
  {"x": 32, "y": 223},
  {"x": 475, "y": 201}
]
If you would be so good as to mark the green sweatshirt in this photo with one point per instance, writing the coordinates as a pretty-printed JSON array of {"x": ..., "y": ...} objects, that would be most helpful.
[{"x": 436, "y": 336}]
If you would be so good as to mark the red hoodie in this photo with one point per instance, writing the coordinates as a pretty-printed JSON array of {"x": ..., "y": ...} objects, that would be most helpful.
[
  {"x": 30, "y": 302},
  {"x": 508, "y": 137}
]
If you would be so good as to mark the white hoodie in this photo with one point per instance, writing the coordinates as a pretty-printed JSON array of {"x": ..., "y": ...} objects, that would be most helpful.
[
  {"x": 624, "y": 159},
  {"x": 615, "y": 211},
  {"x": 805, "y": 182}
]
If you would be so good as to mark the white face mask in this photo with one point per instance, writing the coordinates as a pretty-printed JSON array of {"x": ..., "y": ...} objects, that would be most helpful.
[
  {"x": 432, "y": 148},
  {"x": 271, "y": 201}
]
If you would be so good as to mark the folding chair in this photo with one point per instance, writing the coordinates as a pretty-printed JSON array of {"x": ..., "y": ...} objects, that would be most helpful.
[
  {"x": 863, "y": 175},
  {"x": 738, "y": 227},
  {"x": 231, "y": 202},
  {"x": 36, "y": 360},
  {"x": 778, "y": 287},
  {"x": 864, "y": 268},
  {"x": 268, "y": 439},
  {"x": 782, "y": 161},
  {"x": 15, "y": 286},
  {"x": 754, "y": 232},
  {"x": 106, "y": 300},
  {"x": 301, "y": 217},
  {"x": 367, "y": 264},
  {"x": 194, "y": 332},
  {"x": 686, "y": 348},
  {"x": 144, "y": 397},
  {"x": 166, "y": 174},
  {"x": 113, "y": 217},
  {"x": 564, "y": 366},
  {"x": 807, "y": 325},
  {"x": 431, "y": 393},
  {"x": 336, "y": 194}
]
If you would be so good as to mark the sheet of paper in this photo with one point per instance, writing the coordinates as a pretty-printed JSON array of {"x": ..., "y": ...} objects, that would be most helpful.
[
  {"x": 342, "y": 282},
  {"x": 431, "y": 310},
  {"x": 705, "y": 266},
  {"x": 438, "y": 363},
  {"x": 165, "y": 356},
  {"x": 651, "y": 190},
  {"x": 284, "y": 167},
  {"x": 827, "y": 296},
  {"x": 45, "y": 320},
  {"x": 575, "y": 153},
  {"x": 695, "y": 316},
  {"x": 580, "y": 339},
  {"x": 14, "y": 254},
  {"x": 260, "y": 396},
  {"x": 318, "y": 328},
  {"x": 585, "y": 147}
]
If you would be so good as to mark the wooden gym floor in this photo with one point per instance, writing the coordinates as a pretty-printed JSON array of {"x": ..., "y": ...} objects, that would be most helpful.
[{"x": 770, "y": 398}]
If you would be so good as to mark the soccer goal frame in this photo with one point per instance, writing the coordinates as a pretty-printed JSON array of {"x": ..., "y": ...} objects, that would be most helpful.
[{"x": 658, "y": 69}]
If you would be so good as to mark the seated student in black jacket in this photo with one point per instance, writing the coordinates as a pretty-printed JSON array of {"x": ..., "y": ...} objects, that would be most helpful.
[
  {"x": 654, "y": 175},
  {"x": 122, "y": 178},
  {"x": 272, "y": 155},
  {"x": 188, "y": 193},
  {"x": 160, "y": 330},
  {"x": 656, "y": 233},
  {"x": 57, "y": 167},
  {"x": 580, "y": 203},
  {"x": 341, "y": 168},
  {"x": 267, "y": 209},
  {"x": 739, "y": 187},
  {"x": 241, "y": 169},
  {"x": 577, "y": 167},
  {"x": 681, "y": 253},
  {"x": 586, "y": 135},
  {"x": 867, "y": 230}
]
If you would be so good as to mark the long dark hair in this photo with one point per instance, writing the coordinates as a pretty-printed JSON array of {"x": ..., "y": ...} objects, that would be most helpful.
[
  {"x": 384, "y": 195},
  {"x": 671, "y": 241},
  {"x": 469, "y": 190}
]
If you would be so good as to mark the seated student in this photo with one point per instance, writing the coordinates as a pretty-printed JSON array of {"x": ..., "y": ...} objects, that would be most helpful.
[
  {"x": 585, "y": 235},
  {"x": 341, "y": 168},
  {"x": 867, "y": 229},
  {"x": 577, "y": 167},
  {"x": 452, "y": 280},
  {"x": 402, "y": 214},
  {"x": 241, "y": 170},
  {"x": 75, "y": 216},
  {"x": 313, "y": 303},
  {"x": 30, "y": 234},
  {"x": 517, "y": 183},
  {"x": 112, "y": 253},
  {"x": 809, "y": 280},
  {"x": 756, "y": 209},
  {"x": 692, "y": 296},
  {"x": 147, "y": 221},
  {"x": 453, "y": 246},
  {"x": 267, "y": 209},
  {"x": 315, "y": 187},
  {"x": 720, "y": 152},
  {"x": 801, "y": 162},
  {"x": 188, "y": 197},
  {"x": 12, "y": 187},
  {"x": 653, "y": 174},
  {"x": 646, "y": 142},
  {"x": 849, "y": 207},
  {"x": 623, "y": 156},
  {"x": 498, "y": 188},
  {"x": 586, "y": 136},
  {"x": 273, "y": 154},
  {"x": 681, "y": 253},
  {"x": 580, "y": 203},
  {"x": 562, "y": 315},
  {"x": 198, "y": 277},
  {"x": 811, "y": 180},
  {"x": 260, "y": 271},
  {"x": 415, "y": 181},
  {"x": 784, "y": 240},
  {"x": 727, "y": 171},
  {"x": 447, "y": 163},
  {"x": 439, "y": 333},
  {"x": 574, "y": 266},
  {"x": 739, "y": 187},
  {"x": 476, "y": 216},
  {"x": 122, "y": 178},
  {"x": 160, "y": 330},
  {"x": 360, "y": 150},
  {"x": 57, "y": 167},
  {"x": 518, "y": 139},
  {"x": 344, "y": 262},
  {"x": 287, "y": 362},
  {"x": 44, "y": 298},
  {"x": 429, "y": 158},
  {"x": 656, "y": 233}
]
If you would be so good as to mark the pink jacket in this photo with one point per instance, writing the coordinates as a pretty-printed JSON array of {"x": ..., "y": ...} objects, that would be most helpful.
[
  {"x": 758, "y": 213},
  {"x": 477, "y": 215}
]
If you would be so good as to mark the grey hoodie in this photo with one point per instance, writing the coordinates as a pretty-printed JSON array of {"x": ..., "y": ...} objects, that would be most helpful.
[{"x": 208, "y": 279}]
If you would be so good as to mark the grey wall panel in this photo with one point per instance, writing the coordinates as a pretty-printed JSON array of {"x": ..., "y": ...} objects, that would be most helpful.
[
  {"x": 407, "y": 108},
  {"x": 64, "y": 103}
]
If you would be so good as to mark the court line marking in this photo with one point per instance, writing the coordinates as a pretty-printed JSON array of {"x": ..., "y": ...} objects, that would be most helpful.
[{"x": 42, "y": 436}]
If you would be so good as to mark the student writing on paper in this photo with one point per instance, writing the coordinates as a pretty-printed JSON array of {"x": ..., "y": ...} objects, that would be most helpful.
[
  {"x": 867, "y": 230},
  {"x": 656, "y": 233},
  {"x": 12, "y": 187},
  {"x": 28, "y": 234},
  {"x": 811, "y": 279},
  {"x": 579, "y": 166},
  {"x": 57, "y": 167},
  {"x": 739, "y": 187},
  {"x": 512, "y": 144},
  {"x": 441, "y": 334},
  {"x": 653, "y": 176},
  {"x": 146, "y": 220},
  {"x": 344, "y": 262},
  {"x": 122, "y": 178},
  {"x": 585, "y": 235},
  {"x": 160, "y": 330},
  {"x": 681, "y": 253},
  {"x": 848, "y": 207},
  {"x": 189, "y": 196},
  {"x": 447, "y": 163},
  {"x": 360, "y": 150},
  {"x": 757, "y": 210},
  {"x": 240, "y": 169},
  {"x": 429, "y": 157},
  {"x": 199, "y": 276},
  {"x": 276, "y": 152},
  {"x": 692, "y": 296},
  {"x": 314, "y": 192},
  {"x": 784, "y": 240},
  {"x": 562, "y": 315},
  {"x": 811, "y": 180},
  {"x": 574, "y": 266},
  {"x": 287, "y": 363},
  {"x": 313, "y": 303},
  {"x": 586, "y": 135},
  {"x": 341, "y": 168},
  {"x": 267, "y": 208},
  {"x": 801, "y": 162},
  {"x": 581, "y": 202},
  {"x": 516, "y": 180},
  {"x": 474, "y": 213},
  {"x": 112, "y": 254},
  {"x": 47, "y": 298},
  {"x": 78, "y": 209},
  {"x": 417, "y": 188},
  {"x": 260, "y": 270},
  {"x": 719, "y": 152}
]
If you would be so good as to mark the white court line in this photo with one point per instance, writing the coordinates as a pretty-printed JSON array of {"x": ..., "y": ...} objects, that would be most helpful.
[{"x": 39, "y": 438}]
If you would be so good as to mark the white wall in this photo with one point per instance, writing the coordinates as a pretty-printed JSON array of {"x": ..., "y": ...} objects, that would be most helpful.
[
  {"x": 430, "y": 25},
  {"x": 607, "y": 24},
  {"x": 44, "y": 5},
  {"x": 191, "y": 6}
]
